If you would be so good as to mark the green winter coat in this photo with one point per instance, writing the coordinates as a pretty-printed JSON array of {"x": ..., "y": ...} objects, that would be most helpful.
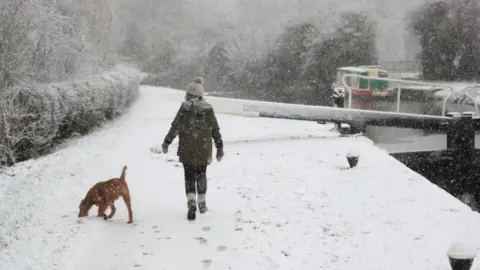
[{"x": 196, "y": 126}]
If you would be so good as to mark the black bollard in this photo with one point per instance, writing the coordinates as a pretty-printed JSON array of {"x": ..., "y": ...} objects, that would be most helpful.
[
  {"x": 461, "y": 257},
  {"x": 460, "y": 264},
  {"x": 352, "y": 159}
]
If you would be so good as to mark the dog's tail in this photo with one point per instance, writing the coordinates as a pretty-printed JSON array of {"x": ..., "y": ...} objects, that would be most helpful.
[{"x": 122, "y": 176}]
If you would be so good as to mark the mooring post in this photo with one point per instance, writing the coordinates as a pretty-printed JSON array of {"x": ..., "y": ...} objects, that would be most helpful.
[
  {"x": 461, "y": 135},
  {"x": 467, "y": 135},
  {"x": 452, "y": 130},
  {"x": 461, "y": 256},
  {"x": 468, "y": 131}
]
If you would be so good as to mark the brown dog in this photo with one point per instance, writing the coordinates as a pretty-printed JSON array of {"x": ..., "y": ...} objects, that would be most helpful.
[{"x": 104, "y": 194}]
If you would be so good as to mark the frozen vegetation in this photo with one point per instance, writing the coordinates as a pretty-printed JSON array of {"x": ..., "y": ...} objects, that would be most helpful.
[
  {"x": 60, "y": 73},
  {"x": 36, "y": 117}
]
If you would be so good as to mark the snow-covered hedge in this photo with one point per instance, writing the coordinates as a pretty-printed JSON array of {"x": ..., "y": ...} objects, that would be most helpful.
[{"x": 34, "y": 118}]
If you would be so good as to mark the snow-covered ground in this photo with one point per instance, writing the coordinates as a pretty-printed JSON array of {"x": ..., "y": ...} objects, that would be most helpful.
[{"x": 281, "y": 199}]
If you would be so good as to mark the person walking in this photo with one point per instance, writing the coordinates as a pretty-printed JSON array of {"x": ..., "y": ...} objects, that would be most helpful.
[
  {"x": 196, "y": 125},
  {"x": 338, "y": 101}
]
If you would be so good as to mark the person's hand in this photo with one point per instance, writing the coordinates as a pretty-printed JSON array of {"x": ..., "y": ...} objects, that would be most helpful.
[
  {"x": 220, "y": 154},
  {"x": 164, "y": 148}
]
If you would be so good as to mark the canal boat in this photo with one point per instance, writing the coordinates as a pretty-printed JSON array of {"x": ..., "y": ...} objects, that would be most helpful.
[{"x": 362, "y": 87}]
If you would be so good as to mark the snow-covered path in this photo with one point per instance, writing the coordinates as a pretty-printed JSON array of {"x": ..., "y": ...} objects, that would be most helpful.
[{"x": 281, "y": 199}]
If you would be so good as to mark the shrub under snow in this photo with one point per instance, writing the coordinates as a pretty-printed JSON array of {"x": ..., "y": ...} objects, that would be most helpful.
[{"x": 34, "y": 118}]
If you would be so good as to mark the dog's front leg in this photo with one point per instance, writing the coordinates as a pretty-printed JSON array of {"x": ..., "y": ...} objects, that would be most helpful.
[
  {"x": 126, "y": 199},
  {"x": 101, "y": 209},
  {"x": 112, "y": 211}
]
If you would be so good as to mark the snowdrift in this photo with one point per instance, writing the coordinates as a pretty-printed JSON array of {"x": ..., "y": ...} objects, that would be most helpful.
[{"x": 37, "y": 117}]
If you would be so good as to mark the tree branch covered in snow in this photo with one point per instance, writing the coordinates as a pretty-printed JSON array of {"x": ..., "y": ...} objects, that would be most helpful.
[
  {"x": 449, "y": 36},
  {"x": 34, "y": 118},
  {"x": 298, "y": 66},
  {"x": 46, "y": 41}
]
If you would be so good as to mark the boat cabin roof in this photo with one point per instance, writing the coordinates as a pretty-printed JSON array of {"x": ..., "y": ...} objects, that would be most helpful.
[{"x": 360, "y": 69}]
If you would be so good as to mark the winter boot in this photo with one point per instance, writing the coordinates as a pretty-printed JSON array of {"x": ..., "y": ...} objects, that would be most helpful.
[
  {"x": 202, "y": 204},
  {"x": 192, "y": 206}
]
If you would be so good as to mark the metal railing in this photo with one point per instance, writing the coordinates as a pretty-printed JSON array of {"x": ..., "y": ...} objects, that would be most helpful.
[
  {"x": 476, "y": 100},
  {"x": 349, "y": 89}
]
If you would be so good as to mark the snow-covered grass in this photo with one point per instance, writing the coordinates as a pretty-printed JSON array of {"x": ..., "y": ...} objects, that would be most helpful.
[
  {"x": 36, "y": 117},
  {"x": 282, "y": 198}
]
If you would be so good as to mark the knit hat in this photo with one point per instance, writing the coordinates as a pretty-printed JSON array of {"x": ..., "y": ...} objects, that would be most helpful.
[{"x": 196, "y": 87}]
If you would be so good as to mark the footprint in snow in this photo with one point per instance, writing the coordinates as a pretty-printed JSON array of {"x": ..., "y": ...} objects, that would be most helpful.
[
  {"x": 451, "y": 210},
  {"x": 238, "y": 215},
  {"x": 206, "y": 228},
  {"x": 202, "y": 240},
  {"x": 206, "y": 263},
  {"x": 221, "y": 248},
  {"x": 238, "y": 220}
]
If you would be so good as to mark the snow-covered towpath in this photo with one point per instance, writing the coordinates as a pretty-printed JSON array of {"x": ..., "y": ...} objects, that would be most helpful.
[{"x": 281, "y": 199}]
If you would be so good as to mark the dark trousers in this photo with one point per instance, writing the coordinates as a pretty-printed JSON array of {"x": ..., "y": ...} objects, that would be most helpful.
[
  {"x": 195, "y": 179},
  {"x": 339, "y": 103}
]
